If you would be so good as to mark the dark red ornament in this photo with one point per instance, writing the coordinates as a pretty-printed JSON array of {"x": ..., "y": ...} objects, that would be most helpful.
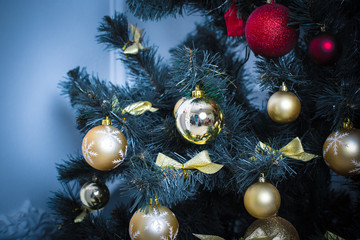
[
  {"x": 268, "y": 33},
  {"x": 324, "y": 49},
  {"x": 235, "y": 25}
]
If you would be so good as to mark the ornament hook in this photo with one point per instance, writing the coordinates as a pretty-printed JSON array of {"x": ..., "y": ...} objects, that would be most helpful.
[
  {"x": 262, "y": 177},
  {"x": 107, "y": 121},
  {"x": 283, "y": 87},
  {"x": 347, "y": 123}
]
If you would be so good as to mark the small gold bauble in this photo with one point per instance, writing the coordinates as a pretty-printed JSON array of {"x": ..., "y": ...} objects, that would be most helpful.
[
  {"x": 104, "y": 147},
  {"x": 199, "y": 119},
  {"x": 341, "y": 151},
  {"x": 283, "y": 106},
  {"x": 272, "y": 228},
  {"x": 157, "y": 223},
  {"x": 262, "y": 199},
  {"x": 94, "y": 195}
]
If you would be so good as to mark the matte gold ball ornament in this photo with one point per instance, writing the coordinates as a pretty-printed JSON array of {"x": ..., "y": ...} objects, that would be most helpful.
[
  {"x": 341, "y": 150},
  {"x": 158, "y": 223},
  {"x": 283, "y": 106},
  {"x": 272, "y": 228},
  {"x": 104, "y": 147},
  {"x": 94, "y": 195},
  {"x": 262, "y": 199},
  {"x": 199, "y": 119}
]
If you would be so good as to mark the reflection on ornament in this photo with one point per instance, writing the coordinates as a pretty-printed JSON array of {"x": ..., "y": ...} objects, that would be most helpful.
[
  {"x": 104, "y": 147},
  {"x": 341, "y": 151},
  {"x": 262, "y": 199},
  {"x": 158, "y": 223},
  {"x": 198, "y": 119}
]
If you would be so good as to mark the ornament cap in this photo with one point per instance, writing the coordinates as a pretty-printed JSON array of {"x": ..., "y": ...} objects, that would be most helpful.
[
  {"x": 107, "y": 121},
  {"x": 262, "y": 178},
  {"x": 156, "y": 202},
  {"x": 197, "y": 93},
  {"x": 283, "y": 87},
  {"x": 347, "y": 123}
]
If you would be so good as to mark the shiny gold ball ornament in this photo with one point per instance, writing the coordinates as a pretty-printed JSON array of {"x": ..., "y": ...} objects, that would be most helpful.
[
  {"x": 104, "y": 146},
  {"x": 272, "y": 228},
  {"x": 158, "y": 223},
  {"x": 262, "y": 199},
  {"x": 341, "y": 150},
  {"x": 94, "y": 195},
  {"x": 283, "y": 106},
  {"x": 199, "y": 119}
]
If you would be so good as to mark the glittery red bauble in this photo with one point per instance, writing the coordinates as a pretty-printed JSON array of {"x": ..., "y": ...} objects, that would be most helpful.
[
  {"x": 268, "y": 33},
  {"x": 324, "y": 49},
  {"x": 235, "y": 25}
]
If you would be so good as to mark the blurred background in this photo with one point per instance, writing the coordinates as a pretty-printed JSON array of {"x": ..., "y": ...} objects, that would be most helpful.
[{"x": 40, "y": 42}]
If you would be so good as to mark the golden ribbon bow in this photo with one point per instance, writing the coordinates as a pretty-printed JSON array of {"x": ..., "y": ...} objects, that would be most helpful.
[
  {"x": 136, "y": 45},
  {"x": 332, "y": 236},
  {"x": 139, "y": 108},
  {"x": 200, "y": 162},
  {"x": 259, "y": 234},
  {"x": 293, "y": 149},
  {"x": 208, "y": 237}
]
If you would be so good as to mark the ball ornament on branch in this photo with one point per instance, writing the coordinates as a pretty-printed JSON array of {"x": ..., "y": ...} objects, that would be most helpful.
[
  {"x": 272, "y": 228},
  {"x": 262, "y": 199},
  {"x": 199, "y": 119},
  {"x": 94, "y": 195},
  {"x": 324, "y": 49},
  {"x": 341, "y": 150},
  {"x": 104, "y": 146},
  {"x": 268, "y": 33},
  {"x": 154, "y": 223},
  {"x": 283, "y": 106}
]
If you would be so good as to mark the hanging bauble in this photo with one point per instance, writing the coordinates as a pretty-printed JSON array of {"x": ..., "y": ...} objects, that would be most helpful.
[
  {"x": 324, "y": 49},
  {"x": 268, "y": 33},
  {"x": 341, "y": 150},
  {"x": 235, "y": 24},
  {"x": 283, "y": 106},
  {"x": 272, "y": 228},
  {"x": 104, "y": 146},
  {"x": 94, "y": 195},
  {"x": 199, "y": 119},
  {"x": 262, "y": 199},
  {"x": 154, "y": 223}
]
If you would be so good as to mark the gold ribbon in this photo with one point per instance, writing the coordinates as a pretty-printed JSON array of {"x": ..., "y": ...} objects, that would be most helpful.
[
  {"x": 139, "y": 108},
  {"x": 293, "y": 149},
  {"x": 208, "y": 237},
  {"x": 332, "y": 236},
  {"x": 200, "y": 162},
  {"x": 136, "y": 45}
]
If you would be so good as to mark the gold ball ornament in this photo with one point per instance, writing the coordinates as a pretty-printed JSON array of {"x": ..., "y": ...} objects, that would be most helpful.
[
  {"x": 262, "y": 199},
  {"x": 104, "y": 147},
  {"x": 272, "y": 228},
  {"x": 199, "y": 119},
  {"x": 158, "y": 223},
  {"x": 341, "y": 151},
  {"x": 283, "y": 106},
  {"x": 94, "y": 195}
]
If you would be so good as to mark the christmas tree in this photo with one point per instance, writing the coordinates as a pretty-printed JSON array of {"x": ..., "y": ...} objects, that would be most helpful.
[{"x": 189, "y": 153}]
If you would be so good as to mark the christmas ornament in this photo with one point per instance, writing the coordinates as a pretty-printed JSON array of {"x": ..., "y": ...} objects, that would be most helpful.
[
  {"x": 235, "y": 24},
  {"x": 262, "y": 199},
  {"x": 324, "y": 49},
  {"x": 94, "y": 195},
  {"x": 341, "y": 150},
  {"x": 178, "y": 103},
  {"x": 135, "y": 46},
  {"x": 139, "y": 108},
  {"x": 199, "y": 119},
  {"x": 271, "y": 228},
  {"x": 158, "y": 223},
  {"x": 283, "y": 106},
  {"x": 268, "y": 33},
  {"x": 200, "y": 162},
  {"x": 104, "y": 147},
  {"x": 293, "y": 149}
]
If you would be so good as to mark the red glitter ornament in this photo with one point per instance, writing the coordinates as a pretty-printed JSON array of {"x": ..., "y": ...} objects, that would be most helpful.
[
  {"x": 235, "y": 26},
  {"x": 268, "y": 33},
  {"x": 324, "y": 49}
]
